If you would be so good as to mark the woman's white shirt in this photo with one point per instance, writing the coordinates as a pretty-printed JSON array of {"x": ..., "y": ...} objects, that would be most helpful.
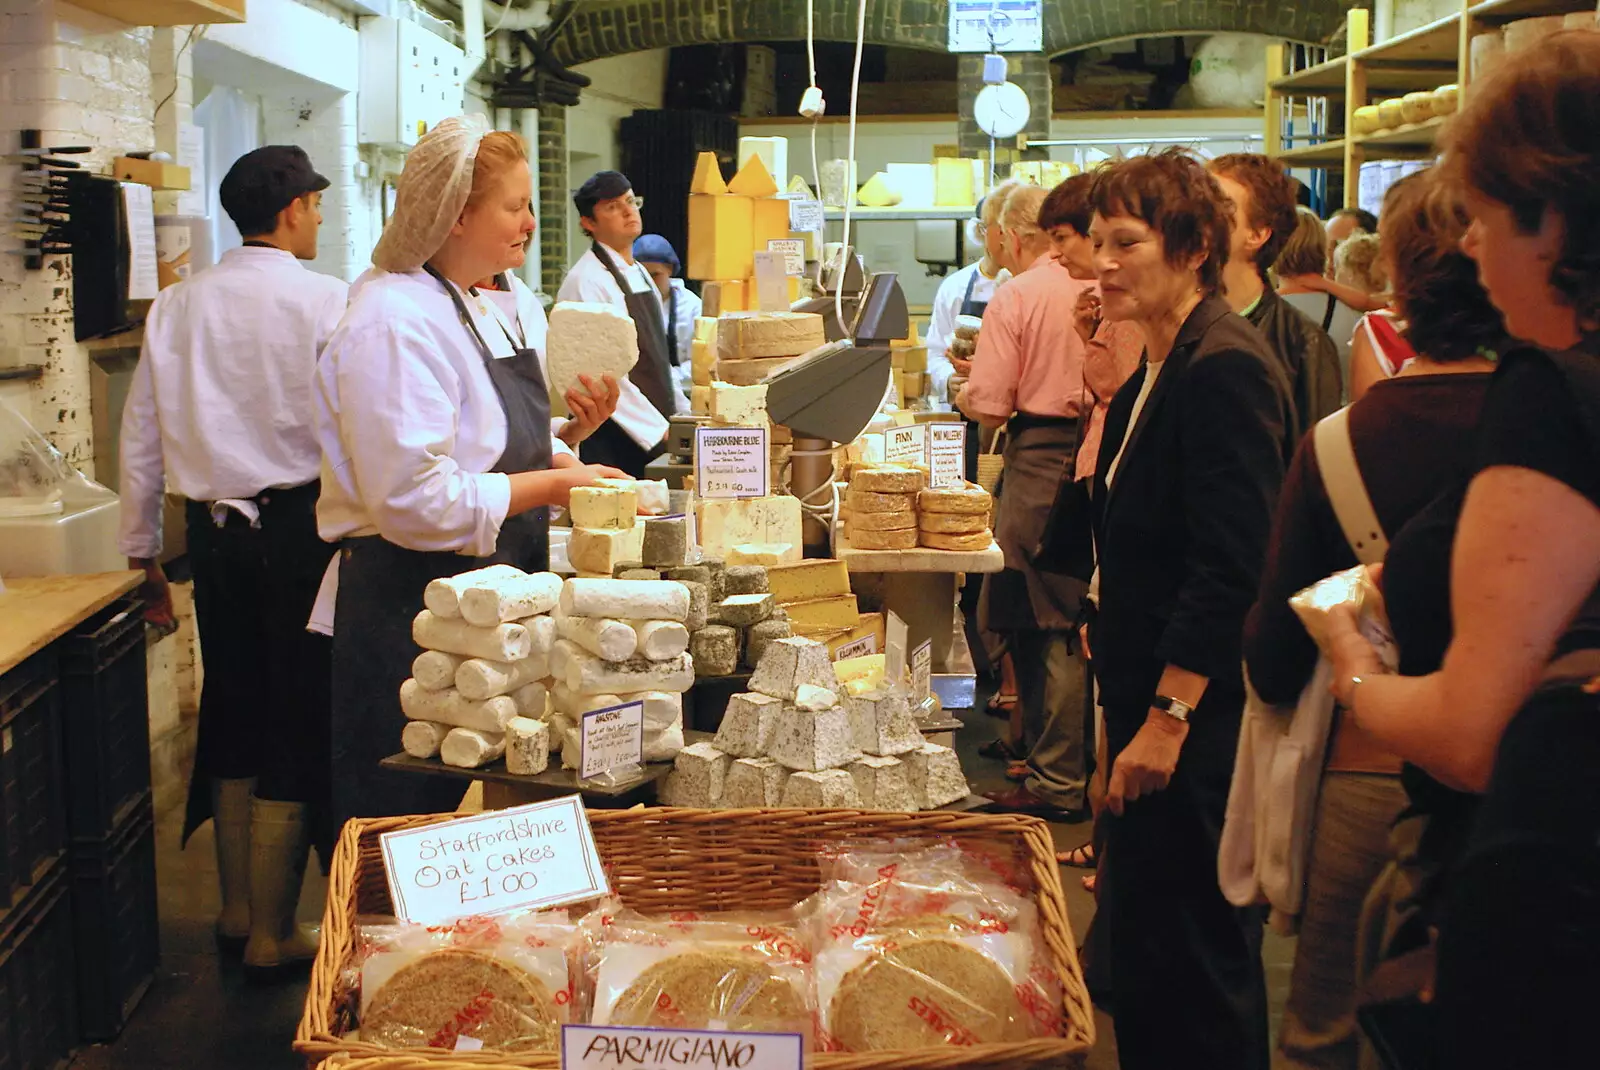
[{"x": 409, "y": 420}]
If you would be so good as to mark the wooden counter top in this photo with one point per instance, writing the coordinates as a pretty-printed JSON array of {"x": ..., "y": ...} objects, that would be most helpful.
[
  {"x": 35, "y": 611},
  {"x": 921, "y": 559}
]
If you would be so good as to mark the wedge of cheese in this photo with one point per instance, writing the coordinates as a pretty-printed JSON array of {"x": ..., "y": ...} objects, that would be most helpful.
[
  {"x": 879, "y": 192},
  {"x": 809, "y": 581},
  {"x": 707, "y": 175},
  {"x": 740, "y": 406},
  {"x": 753, "y": 179},
  {"x": 857, "y": 676}
]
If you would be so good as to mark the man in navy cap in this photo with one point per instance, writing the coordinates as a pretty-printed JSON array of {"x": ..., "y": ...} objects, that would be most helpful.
[
  {"x": 679, "y": 304},
  {"x": 608, "y": 274},
  {"x": 220, "y": 413}
]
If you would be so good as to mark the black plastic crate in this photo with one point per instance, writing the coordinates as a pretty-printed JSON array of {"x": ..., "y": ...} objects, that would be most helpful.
[
  {"x": 38, "y": 992},
  {"x": 33, "y": 830},
  {"x": 105, "y": 719},
  {"x": 115, "y": 913}
]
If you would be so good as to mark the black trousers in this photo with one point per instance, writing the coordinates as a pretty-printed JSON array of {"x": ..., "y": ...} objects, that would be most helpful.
[
  {"x": 610, "y": 444},
  {"x": 1519, "y": 936},
  {"x": 1185, "y": 965},
  {"x": 264, "y": 706}
]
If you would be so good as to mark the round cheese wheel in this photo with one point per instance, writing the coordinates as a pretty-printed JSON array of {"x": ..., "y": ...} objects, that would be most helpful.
[
  {"x": 935, "y": 541},
  {"x": 968, "y": 500},
  {"x": 954, "y": 523},
  {"x": 1446, "y": 99},
  {"x": 889, "y": 479},
  {"x": 1390, "y": 114},
  {"x": 898, "y": 520},
  {"x": 1416, "y": 107},
  {"x": 1366, "y": 119},
  {"x": 865, "y": 501},
  {"x": 885, "y": 540}
]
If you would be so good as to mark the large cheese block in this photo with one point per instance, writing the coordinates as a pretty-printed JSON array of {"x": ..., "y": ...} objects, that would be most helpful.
[
  {"x": 588, "y": 338},
  {"x": 625, "y": 599},
  {"x": 879, "y": 192},
  {"x": 703, "y": 362},
  {"x": 899, "y": 520},
  {"x": 866, "y": 501},
  {"x": 720, "y": 239},
  {"x": 886, "y": 540},
  {"x": 748, "y": 372},
  {"x": 888, "y": 479},
  {"x": 835, "y": 614},
  {"x": 707, "y": 175},
  {"x": 971, "y": 499},
  {"x": 952, "y": 182},
  {"x": 769, "y": 222},
  {"x": 601, "y": 550},
  {"x": 604, "y": 507},
  {"x": 700, "y": 399},
  {"x": 740, "y": 406},
  {"x": 726, "y": 295},
  {"x": 748, "y": 335},
  {"x": 705, "y": 328},
  {"x": 933, "y": 540},
  {"x": 753, "y": 179},
  {"x": 724, "y": 523},
  {"x": 808, "y": 581}
]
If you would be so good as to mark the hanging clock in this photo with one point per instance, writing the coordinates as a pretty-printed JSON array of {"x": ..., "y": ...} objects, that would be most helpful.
[{"x": 1001, "y": 110}]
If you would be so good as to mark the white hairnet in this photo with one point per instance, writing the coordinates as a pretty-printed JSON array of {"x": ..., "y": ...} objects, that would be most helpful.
[{"x": 431, "y": 194}]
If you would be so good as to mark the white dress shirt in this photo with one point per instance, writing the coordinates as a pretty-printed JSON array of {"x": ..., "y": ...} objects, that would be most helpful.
[
  {"x": 220, "y": 406},
  {"x": 688, "y": 303},
  {"x": 590, "y": 281},
  {"x": 410, "y": 421},
  {"x": 947, "y": 303}
]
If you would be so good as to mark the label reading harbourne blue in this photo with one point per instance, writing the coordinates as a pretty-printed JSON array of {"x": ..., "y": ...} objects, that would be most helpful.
[
  {"x": 616, "y": 1047},
  {"x": 730, "y": 462}
]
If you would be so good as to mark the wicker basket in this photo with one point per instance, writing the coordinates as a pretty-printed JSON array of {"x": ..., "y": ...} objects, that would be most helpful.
[
  {"x": 991, "y": 462},
  {"x": 661, "y": 860}
]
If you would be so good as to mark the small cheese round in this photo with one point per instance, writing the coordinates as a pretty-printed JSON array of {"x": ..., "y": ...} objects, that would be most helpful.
[
  {"x": 935, "y": 541},
  {"x": 895, "y": 521},
  {"x": 885, "y": 540},
  {"x": 954, "y": 523},
  {"x": 967, "y": 500},
  {"x": 888, "y": 479},
  {"x": 861, "y": 501}
]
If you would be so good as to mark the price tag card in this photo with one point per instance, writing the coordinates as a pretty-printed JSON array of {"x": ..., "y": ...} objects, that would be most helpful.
[
  {"x": 731, "y": 462},
  {"x": 921, "y": 671},
  {"x": 805, "y": 215},
  {"x": 947, "y": 454},
  {"x": 794, "y": 254},
  {"x": 895, "y": 637},
  {"x": 772, "y": 282},
  {"x": 611, "y": 737},
  {"x": 906, "y": 445},
  {"x": 857, "y": 648},
  {"x": 536, "y": 856},
  {"x": 620, "y": 1047}
]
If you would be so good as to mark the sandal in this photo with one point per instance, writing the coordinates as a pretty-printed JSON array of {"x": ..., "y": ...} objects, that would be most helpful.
[
  {"x": 1080, "y": 857},
  {"x": 1000, "y": 747}
]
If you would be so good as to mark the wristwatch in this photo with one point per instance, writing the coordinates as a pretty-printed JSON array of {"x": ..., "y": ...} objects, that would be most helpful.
[{"x": 1175, "y": 708}]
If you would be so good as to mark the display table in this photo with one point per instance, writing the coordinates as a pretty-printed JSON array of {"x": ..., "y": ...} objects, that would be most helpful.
[
  {"x": 35, "y": 611},
  {"x": 920, "y": 586}
]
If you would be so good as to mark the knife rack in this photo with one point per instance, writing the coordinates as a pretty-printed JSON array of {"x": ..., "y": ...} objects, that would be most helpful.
[{"x": 43, "y": 207}]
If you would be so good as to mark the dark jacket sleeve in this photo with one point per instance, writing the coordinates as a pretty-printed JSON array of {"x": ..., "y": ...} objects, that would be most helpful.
[
  {"x": 1278, "y": 653},
  {"x": 1321, "y": 392},
  {"x": 1231, "y": 436}
]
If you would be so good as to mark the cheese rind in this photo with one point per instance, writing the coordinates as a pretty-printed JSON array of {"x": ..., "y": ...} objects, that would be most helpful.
[
  {"x": 533, "y": 701},
  {"x": 588, "y": 338},
  {"x": 467, "y": 748},
  {"x": 421, "y": 739},
  {"x": 666, "y": 541},
  {"x": 587, "y": 674},
  {"x": 448, "y": 707},
  {"x": 754, "y": 335},
  {"x": 884, "y": 540},
  {"x": 812, "y": 740},
  {"x": 881, "y": 723},
  {"x": 883, "y": 784},
  {"x": 434, "y": 670},
  {"x": 933, "y": 540},
  {"x": 441, "y": 596},
  {"x": 899, "y": 520},
  {"x": 759, "y": 635},
  {"x": 478, "y": 678},
  {"x": 865, "y": 501},
  {"x": 604, "y": 637},
  {"x": 830, "y": 788},
  {"x": 625, "y": 599},
  {"x": 701, "y": 770},
  {"x": 603, "y": 508},
  {"x": 661, "y": 708},
  {"x": 936, "y": 776},
  {"x": 954, "y": 523},
  {"x": 888, "y": 479},
  {"x": 715, "y": 649},
  {"x": 809, "y": 580},
  {"x": 788, "y": 663},
  {"x": 527, "y": 746},
  {"x": 969, "y": 499},
  {"x": 503, "y": 642},
  {"x": 661, "y": 639},
  {"x": 836, "y": 614},
  {"x": 487, "y": 603},
  {"x": 661, "y": 744},
  {"x": 747, "y": 724},
  {"x": 754, "y": 782}
]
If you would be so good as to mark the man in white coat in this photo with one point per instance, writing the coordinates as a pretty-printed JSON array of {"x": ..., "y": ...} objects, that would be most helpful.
[
  {"x": 608, "y": 274},
  {"x": 220, "y": 414}
]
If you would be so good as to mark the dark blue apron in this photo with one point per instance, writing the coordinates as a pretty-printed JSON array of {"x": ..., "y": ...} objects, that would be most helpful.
[
  {"x": 969, "y": 307},
  {"x": 610, "y": 444}
]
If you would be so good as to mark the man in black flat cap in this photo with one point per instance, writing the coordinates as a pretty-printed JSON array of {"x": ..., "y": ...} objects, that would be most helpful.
[
  {"x": 220, "y": 413},
  {"x": 608, "y": 274}
]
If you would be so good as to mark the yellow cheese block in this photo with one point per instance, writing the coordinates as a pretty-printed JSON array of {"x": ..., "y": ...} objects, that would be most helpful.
[
  {"x": 861, "y": 631},
  {"x": 809, "y": 581},
  {"x": 727, "y": 295},
  {"x": 600, "y": 551},
  {"x": 771, "y": 222},
  {"x": 707, "y": 175},
  {"x": 700, "y": 399},
  {"x": 720, "y": 241},
  {"x": 762, "y": 553},
  {"x": 836, "y": 614},
  {"x": 952, "y": 182},
  {"x": 753, "y": 180},
  {"x": 860, "y": 675},
  {"x": 879, "y": 192},
  {"x": 705, "y": 328},
  {"x": 703, "y": 362},
  {"x": 810, "y": 238}
]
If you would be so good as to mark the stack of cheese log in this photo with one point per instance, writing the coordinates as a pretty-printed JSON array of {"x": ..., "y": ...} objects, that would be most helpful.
[
  {"x": 816, "y": 598},
  {"x": 954, "y": 518},
  {"x": 881, "y": 507},
  {"x": 478, "y": 689},
  {"x": 795, "y": 739},
  {"x": 606, "y": 528},
  {"x": 618, "y": 641}
]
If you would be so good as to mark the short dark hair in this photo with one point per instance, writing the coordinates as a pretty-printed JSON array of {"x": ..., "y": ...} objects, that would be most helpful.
[
  {"x": 1173, "y": 194},
  {"x": 1528, "y": 137},
  {"x": 1068, "y": 205},
  {"x": 1272, "y": 199},
  {"x": 1447, "y": 314},
  {"x": 1365, "y": 220}
]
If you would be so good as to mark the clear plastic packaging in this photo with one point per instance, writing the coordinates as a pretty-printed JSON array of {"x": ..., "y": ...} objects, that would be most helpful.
[
  {"x": 496, "y": 984},
  {"x": 737, "y": 972},
  {"x": 924, "y": 948},
  {"x": 1353, "y": 588},
  {"x": 35, "y": 479}
]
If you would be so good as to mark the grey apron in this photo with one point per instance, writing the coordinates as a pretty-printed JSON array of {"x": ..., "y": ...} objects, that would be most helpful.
[
  {"x": 1021, "y": 598},
  {"x": 380, "y": 591},
  {"x": 610, "y": 444}
]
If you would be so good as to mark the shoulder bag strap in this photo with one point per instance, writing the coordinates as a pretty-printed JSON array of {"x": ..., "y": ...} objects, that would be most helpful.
[
  {"x": 1327, "y": 317},
  {"x": 1347, "y": 491}
]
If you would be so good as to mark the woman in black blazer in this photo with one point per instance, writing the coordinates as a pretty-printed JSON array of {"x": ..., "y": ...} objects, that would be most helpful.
[{"x": 1188, "y": 472}]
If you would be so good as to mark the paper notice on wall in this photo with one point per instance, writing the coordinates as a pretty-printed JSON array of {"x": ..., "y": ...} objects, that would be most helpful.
[
  {"x": 805, "y": 215},
  {"x": 192, "y": 154},
  {"x": 144, "y": 271}
]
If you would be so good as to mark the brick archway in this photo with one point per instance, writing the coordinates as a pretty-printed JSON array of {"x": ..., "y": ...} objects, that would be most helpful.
[{"x": 598, "y": 30}]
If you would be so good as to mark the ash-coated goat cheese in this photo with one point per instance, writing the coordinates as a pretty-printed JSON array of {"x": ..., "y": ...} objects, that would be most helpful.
[
  {"x": 527, "y": 746},
  {"x": 486, "y": 603},
  {"x": 604, "y": 507},
  {"x": 883, "y": 784},
  {"x": 660, "y": 639},
  {"x": 699, "y": 604},
  {"x": 625, "y": 599},
  {"x": 448, "y": 707},
  {"x": 802, "y": 739},
  {"x": 754, "y": 782},
  {"x": 503, "y": 642},
  {"x": 788, "y": 663},
  {"x": 661, "y": 744},
  {"x": 666, "y": 541},
  {"x": 689, "y": 574},
  {"x": 478, "y": 679},
  {"x": 604, "y": 637},
  {"x": 758, "y": 636},
  {"x": 637, "y": 574},
  {"x": 747, "y": 724},
  {"x": 698, "y": 775},
  {"x": 421, "y": 739},
  {"x": 590, "y": 675},
  {"x": 936, "y": 776},
  {"x": 435, "y": 670},
  {"x": 442, "y": 596},
  {"x": 588, "y": 338},
  {"x": 881, "y": 723},
  {"x": 825, "y": 789},
  {"x": 468, "y": 748},
  {"x": 715, "y": 649},
  {"x": 744, "y": 579},
  {"x": 743, "y": 610}
]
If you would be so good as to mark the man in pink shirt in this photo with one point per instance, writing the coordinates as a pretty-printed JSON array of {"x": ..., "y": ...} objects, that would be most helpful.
[{"x": 1027, "y": 374}]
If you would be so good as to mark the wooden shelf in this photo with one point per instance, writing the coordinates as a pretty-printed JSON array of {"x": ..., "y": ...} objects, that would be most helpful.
[
  {"x": 1437, "y": 42},
  {"x": 167, "y": 12},
  {"x": 1510, "y": 10},
  {"x": 1411, "y": 139},
  {"x": 1327, "y": 154},
  {"x": 1324, "y": 78}
]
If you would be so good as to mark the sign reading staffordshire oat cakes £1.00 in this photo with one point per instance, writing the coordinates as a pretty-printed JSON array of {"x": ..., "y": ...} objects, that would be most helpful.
[{"x": 528, "y": 857}]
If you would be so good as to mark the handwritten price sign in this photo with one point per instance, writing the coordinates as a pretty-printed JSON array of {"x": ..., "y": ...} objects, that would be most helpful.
[{"x": 731, "y": 462}]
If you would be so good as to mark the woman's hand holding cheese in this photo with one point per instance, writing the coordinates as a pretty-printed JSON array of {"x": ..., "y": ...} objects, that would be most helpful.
[
  {"x": 587, "y": 411},
  {"x": 554, "y": 487}
]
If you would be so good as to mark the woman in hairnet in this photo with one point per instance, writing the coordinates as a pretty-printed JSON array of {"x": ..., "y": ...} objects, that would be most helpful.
[{"x": 438, "y": 453}]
